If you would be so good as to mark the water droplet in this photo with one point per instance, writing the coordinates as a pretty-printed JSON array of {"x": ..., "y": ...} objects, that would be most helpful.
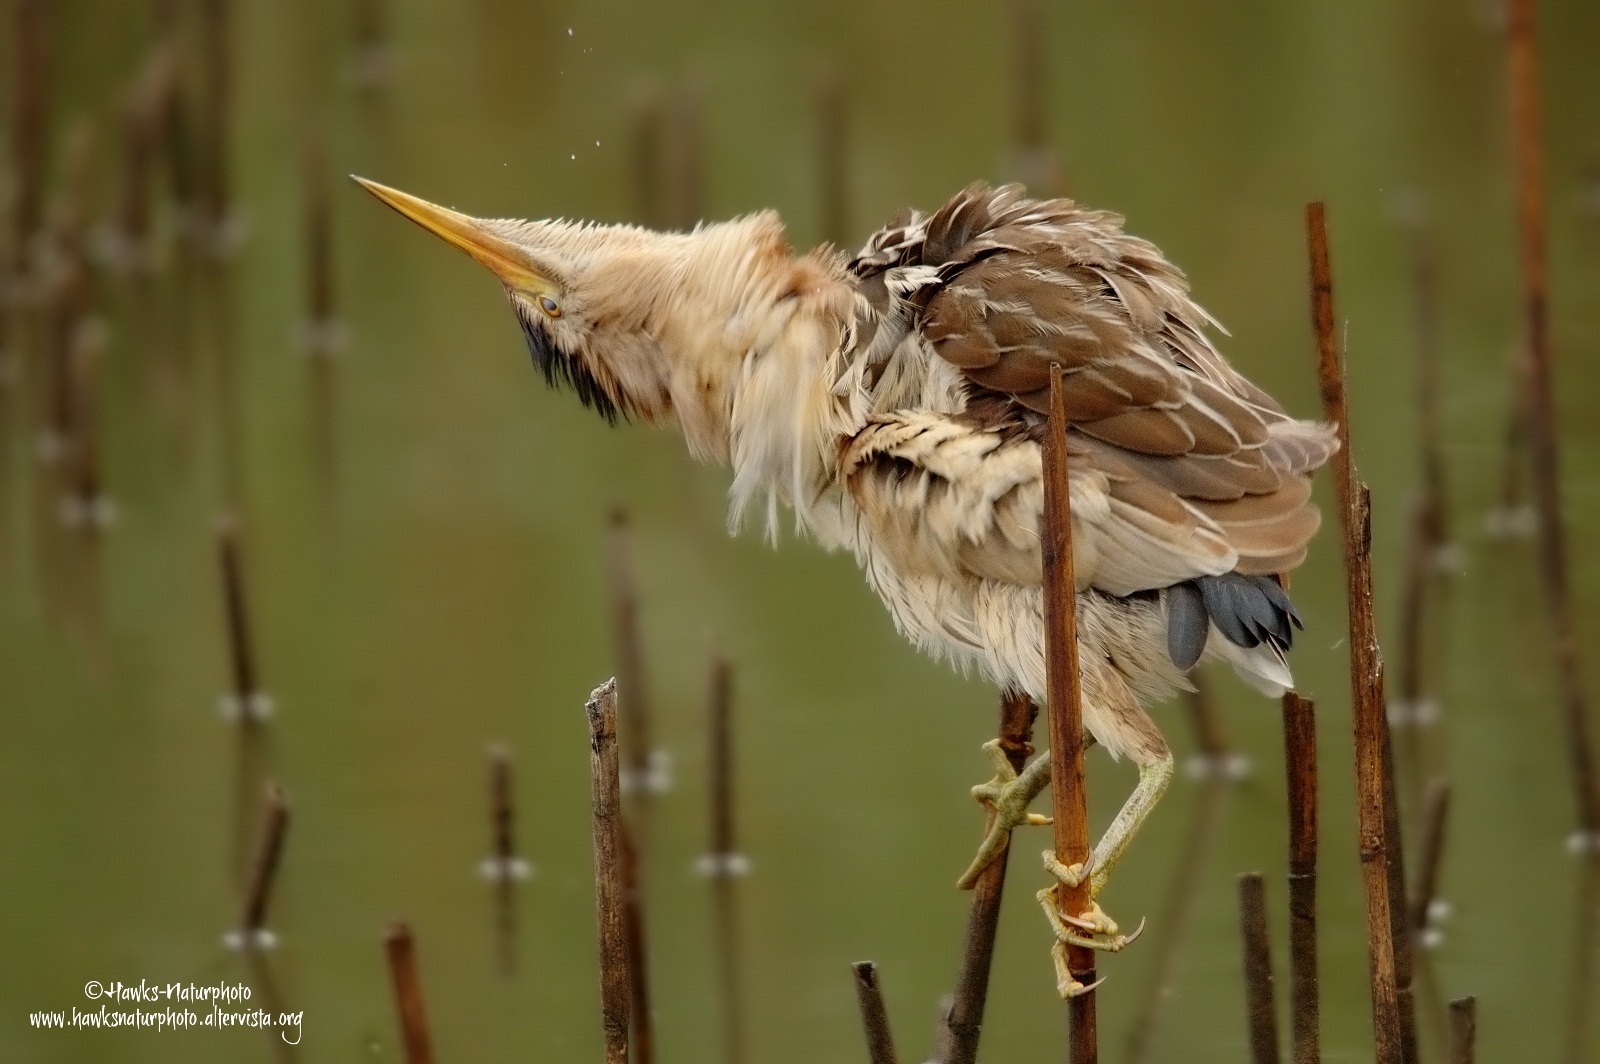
[
  {"x": 569, "y": 31},
  {"x": 574, "y": 156}
]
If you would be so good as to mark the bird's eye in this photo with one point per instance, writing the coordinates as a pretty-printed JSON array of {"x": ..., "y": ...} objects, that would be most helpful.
[{"x": 550, "y": 306}]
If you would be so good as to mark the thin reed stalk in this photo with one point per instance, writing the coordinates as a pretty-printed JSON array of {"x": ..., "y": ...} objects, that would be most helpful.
[
  {"x": 246, "y": 700},
  {"x": 831, "y": 145},
  {"x": 1261, "y": 1011},
  {"x": 723, "y": 865},
  {"x": 1463, "y": 1047},
  {"x": 216, "y": 67},
  {"x": 638, "y": 782},
  {"x": 1436, "y": 812},
  {"x": 1541, "y": 426},
  {"x": 640, "y": 1016},
  {"x": 874, "y": 1017},
  {"x": 504, "y": 868},
  {"x": 1374, "y": 798},
  {"x": 408, "y": 994},
  {"x": 610, "y": 889},
  {"x": 1069, "y": 799},
  {"x": 963, "y": 1021},
  {"x": 30, "y": 126},
  {"x": 1300, "y": 763},
  {"x": 264, "y": 869}
]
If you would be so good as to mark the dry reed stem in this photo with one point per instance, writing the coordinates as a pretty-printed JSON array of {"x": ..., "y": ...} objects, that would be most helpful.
[
  {"x": 1541, "y": 414},
  {"x": 1374, "y": 804},
  {"x": 632, "y": 694},
  {"x": 1463, "y": 1031},
  {"x": 723, "y": 864},
  {"x": 30, "y": 126},
  {"x": 610, "y": 893},
  {"x": 241, "y": 649},
  {"x": 1260, "y": 1006},
  {"x": 1300, "y": 763},
  {"x": 963, "y": 1021},
  {"x": 408, "y": 994},
  {"x": 833, "y": 204},
  {"x": 874, "y": 1017},
  {"x": 1069, "y": 800},
  {"x": 1436, "y": 812},
  {"x": 264, "y": 869}
]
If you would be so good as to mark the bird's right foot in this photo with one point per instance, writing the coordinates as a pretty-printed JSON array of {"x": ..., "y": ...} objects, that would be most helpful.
[{"x": 1007, "y": 796}]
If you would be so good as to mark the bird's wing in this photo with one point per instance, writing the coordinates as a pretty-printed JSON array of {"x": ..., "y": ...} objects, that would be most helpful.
[{"x": 1196, "y": 471}]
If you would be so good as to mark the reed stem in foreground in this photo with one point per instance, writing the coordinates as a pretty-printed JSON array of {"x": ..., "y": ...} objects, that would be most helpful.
[
  {"x": 1260, "y": 1004},
  {"x": 874, "y": 1017},
  {"x": 609, "y": 887},
  {"x": 1374, "y": 801},
  {"x": 964, "y": 1020},
  {"x": 1300, "y": 762},
  {"x": 1068, "y": 798},
  {"x": 408, "y": 994}
]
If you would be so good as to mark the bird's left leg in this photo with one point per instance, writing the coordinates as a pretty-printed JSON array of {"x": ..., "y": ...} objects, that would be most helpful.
[
  {"x": 1008, "y": 795},
  {"x": 1122, "y": 726}
]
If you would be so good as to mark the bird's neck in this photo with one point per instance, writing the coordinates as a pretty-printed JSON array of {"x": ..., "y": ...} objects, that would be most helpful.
[{"x": 746, "y": 330}]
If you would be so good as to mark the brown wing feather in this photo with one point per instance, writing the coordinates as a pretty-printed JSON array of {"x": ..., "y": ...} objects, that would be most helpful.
[{"x": 1183, "y": 440}]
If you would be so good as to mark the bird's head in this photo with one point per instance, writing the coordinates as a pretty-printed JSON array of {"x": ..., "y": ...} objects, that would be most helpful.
[{"x": 575, "y": 291}]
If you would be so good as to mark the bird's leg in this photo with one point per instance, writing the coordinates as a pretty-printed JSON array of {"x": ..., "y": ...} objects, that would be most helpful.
[
  {"x": 1153, "y": 779},
  {"x": 1008, "y": 795}
]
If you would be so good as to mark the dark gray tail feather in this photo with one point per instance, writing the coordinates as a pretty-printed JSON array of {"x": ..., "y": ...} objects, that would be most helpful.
[{"x": 1247, "y": 610}]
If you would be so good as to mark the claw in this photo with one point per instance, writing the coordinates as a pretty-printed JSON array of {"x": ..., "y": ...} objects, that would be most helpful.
[
  {"x": 1067, "y": 986},
  {"x": 1072, "y": 875}
]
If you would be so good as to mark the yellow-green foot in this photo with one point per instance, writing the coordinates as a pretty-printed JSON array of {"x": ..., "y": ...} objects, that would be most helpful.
[
  {"x": 1091, "y": 929},
  {"x": 1008, "y": 795}
]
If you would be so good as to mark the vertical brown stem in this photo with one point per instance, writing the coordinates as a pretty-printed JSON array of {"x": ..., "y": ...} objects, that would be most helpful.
[
  {"x": 1464, "y": 1031},
  {"x": 1541, "y": 421},
  {"x": 1069, "y": 800},
  {"x": 505, "y": 867},
  {"x": 241, "y": 652},
  {"x": 1435, "y": 815},
  {"x": 30, "y": 126},
  {"x": 610, "y": 891},
  {"x": 874, "y": 1017},
  {"x": 216, "y": 28},
  {"x": 647, "y": 149},
  {"x": 408, "y": 994},
  {"x": 632, "y": 697},
  {"x": 831, "y": 157},
  {"x": 1260, "y": 1005},
  {"x": 963, "y": 1022},
  {"x": 1374, "y": 812},
  {"x": 320, "y": 309},
  {"x": 724, "y": 864},
  {"x": 264, "y": 871},
  {"x": 1300, "y": 761},
  {"x": 1210, "y": 738}
]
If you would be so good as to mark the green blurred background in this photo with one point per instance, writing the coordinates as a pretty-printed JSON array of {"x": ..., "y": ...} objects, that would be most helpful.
[{"x": 425, "y": 524}]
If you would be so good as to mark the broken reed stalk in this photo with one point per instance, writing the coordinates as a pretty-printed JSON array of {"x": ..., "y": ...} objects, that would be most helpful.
[
  {"x": 30, "y": 127},
  {"x": 723, "y": 864},
  {"x": 1260, "y": 1004},
  {"x": 1375, "y": 813},
  {"x": 1436, "y": 812},
  {"x": 264, "y": 869},
  {"x": 1463, "y": 1031},
  {"x": 1541, "y": 414},
  {"x": 632, "y": 699},
  {"x": 874, "y": 1017},
  {"x": 1069, "y": 800},
  {"x": 408, "y": 994},
  {"x": 831, "y": 157},
  {"x": 1300, "y": 762},
  {"x": 610, "y": 892},
  {"x": 963, "y": 1021},
  {"x": 246, "y": 692}
]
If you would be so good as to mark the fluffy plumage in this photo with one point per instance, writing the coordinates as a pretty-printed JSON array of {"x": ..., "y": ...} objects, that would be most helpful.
[{"x": 895, "y": 403}]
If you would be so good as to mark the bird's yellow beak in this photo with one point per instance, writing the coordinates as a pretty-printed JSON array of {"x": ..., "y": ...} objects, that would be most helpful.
[{"x": 507, "y": 261}]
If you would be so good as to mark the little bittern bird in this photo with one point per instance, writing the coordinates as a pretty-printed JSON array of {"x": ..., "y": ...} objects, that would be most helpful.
[{"x": 895, "y": 401}]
